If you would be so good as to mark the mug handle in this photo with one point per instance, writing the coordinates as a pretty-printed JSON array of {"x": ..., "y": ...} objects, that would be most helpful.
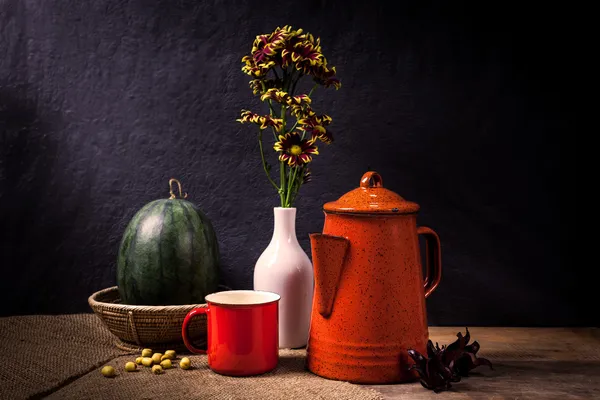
[
  {"x": 184, "y": 329},
  {"x": 433, "y": 261}
]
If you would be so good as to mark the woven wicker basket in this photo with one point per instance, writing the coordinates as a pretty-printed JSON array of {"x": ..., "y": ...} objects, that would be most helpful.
[{"x": 156, "y": 327}]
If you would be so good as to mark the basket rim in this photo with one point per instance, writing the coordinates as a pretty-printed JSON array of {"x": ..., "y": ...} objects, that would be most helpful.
[{"x": 93, "y": 302}]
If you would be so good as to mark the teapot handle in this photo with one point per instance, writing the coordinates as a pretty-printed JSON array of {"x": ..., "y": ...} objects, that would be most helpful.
[{"x": 433, "y": 261}]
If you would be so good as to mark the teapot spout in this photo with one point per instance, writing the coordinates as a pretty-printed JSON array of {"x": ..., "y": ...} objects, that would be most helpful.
[{"x": 328, "y": 256}]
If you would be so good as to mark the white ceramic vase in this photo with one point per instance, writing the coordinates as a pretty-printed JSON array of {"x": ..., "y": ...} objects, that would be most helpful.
[{"x": 284, "y": 268}]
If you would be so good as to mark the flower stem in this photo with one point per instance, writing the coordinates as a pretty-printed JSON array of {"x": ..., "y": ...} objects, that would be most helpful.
[
  {"x": 295, "y": 83},
  {"x": 264, "y": 163},
  {"x": 272, "y": 128},
  {"x": 298, "y": 185},
  {"x": 294, "y": 126},
  {"x": 291, "y": 184},
  {"x": 271, "y": 109},
  {"x": 282, "y": 168},
  {"x": 282, "y": 181}
]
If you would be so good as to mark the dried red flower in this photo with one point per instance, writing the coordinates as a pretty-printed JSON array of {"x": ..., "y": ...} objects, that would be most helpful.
[{"x": 447, "y": 364}]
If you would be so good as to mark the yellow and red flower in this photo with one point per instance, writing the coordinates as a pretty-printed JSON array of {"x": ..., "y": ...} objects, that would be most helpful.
[
  {"x": 325, "y": 76},
  {"x": 284, "y": 98},
  {"x": 315, "y": 125},
  {"x": 307, "y": 177},
  {"x": 259, "y": 86},
  {"x": 285, "y": 47},
  {"x": 301, "y": 111},
  {"x": 303, "y": 51},
  {"x": 256, "y": 69},
  {"x": 266, "y": 46},
  {"x": 264, "y": 121},
  {"x": 295, "y": 150}
]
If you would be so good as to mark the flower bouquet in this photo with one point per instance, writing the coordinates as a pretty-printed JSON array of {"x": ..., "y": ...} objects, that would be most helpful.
[{"x": 277, "y": 63}]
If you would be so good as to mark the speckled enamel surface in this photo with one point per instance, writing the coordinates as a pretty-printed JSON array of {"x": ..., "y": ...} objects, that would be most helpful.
[
  {"x": 378, "y": 309},
  {"x": 332, "y": 252},
  {"x": 371, "y": 198}
]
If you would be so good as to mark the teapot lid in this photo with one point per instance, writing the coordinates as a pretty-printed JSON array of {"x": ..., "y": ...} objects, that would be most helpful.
[{"x": 371, "y": 198}]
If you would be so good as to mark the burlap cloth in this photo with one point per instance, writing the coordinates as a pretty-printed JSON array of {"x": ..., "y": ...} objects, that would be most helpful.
[
  {"x": 60, "y": 357},
  {"x": 42, "y": 353}
]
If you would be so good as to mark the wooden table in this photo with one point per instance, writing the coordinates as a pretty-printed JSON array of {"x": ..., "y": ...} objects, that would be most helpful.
[{"x": 529, "y": 363}]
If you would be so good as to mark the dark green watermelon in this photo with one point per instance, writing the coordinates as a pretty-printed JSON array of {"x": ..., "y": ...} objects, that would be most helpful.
[{"x": 168, "y": 256}]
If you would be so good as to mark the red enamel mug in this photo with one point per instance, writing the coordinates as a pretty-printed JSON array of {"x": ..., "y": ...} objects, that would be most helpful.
[{"x": 242, "y": 330}]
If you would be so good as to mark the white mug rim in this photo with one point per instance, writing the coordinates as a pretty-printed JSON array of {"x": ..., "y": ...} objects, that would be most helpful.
[{"x": 241, "y": 298}]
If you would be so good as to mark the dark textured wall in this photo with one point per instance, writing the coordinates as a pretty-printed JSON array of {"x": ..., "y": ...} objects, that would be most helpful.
[{"x": 458, "y": 107}]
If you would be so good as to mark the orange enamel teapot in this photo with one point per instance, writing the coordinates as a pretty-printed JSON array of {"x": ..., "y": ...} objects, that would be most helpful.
[{"x": 369, "y": 302}]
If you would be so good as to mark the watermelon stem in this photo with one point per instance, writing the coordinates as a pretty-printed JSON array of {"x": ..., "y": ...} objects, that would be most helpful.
[{"x": 181, "y": 194}]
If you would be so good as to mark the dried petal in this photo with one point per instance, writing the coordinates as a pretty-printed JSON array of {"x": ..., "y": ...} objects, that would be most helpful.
[
  {"x": 462, "y": 358},
  {"x": 420, "y": 361},
  {"x": 469, "y": 360},
  {"x": 433, "y": 374},
  {"x": 447, "y": 364}
]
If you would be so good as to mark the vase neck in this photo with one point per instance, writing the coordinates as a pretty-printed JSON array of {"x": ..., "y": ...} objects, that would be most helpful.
[{"x": 285, "y": 224}]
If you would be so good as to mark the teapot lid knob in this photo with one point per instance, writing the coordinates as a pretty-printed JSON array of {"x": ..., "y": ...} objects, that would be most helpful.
[{"x": 371, "y": 179}]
